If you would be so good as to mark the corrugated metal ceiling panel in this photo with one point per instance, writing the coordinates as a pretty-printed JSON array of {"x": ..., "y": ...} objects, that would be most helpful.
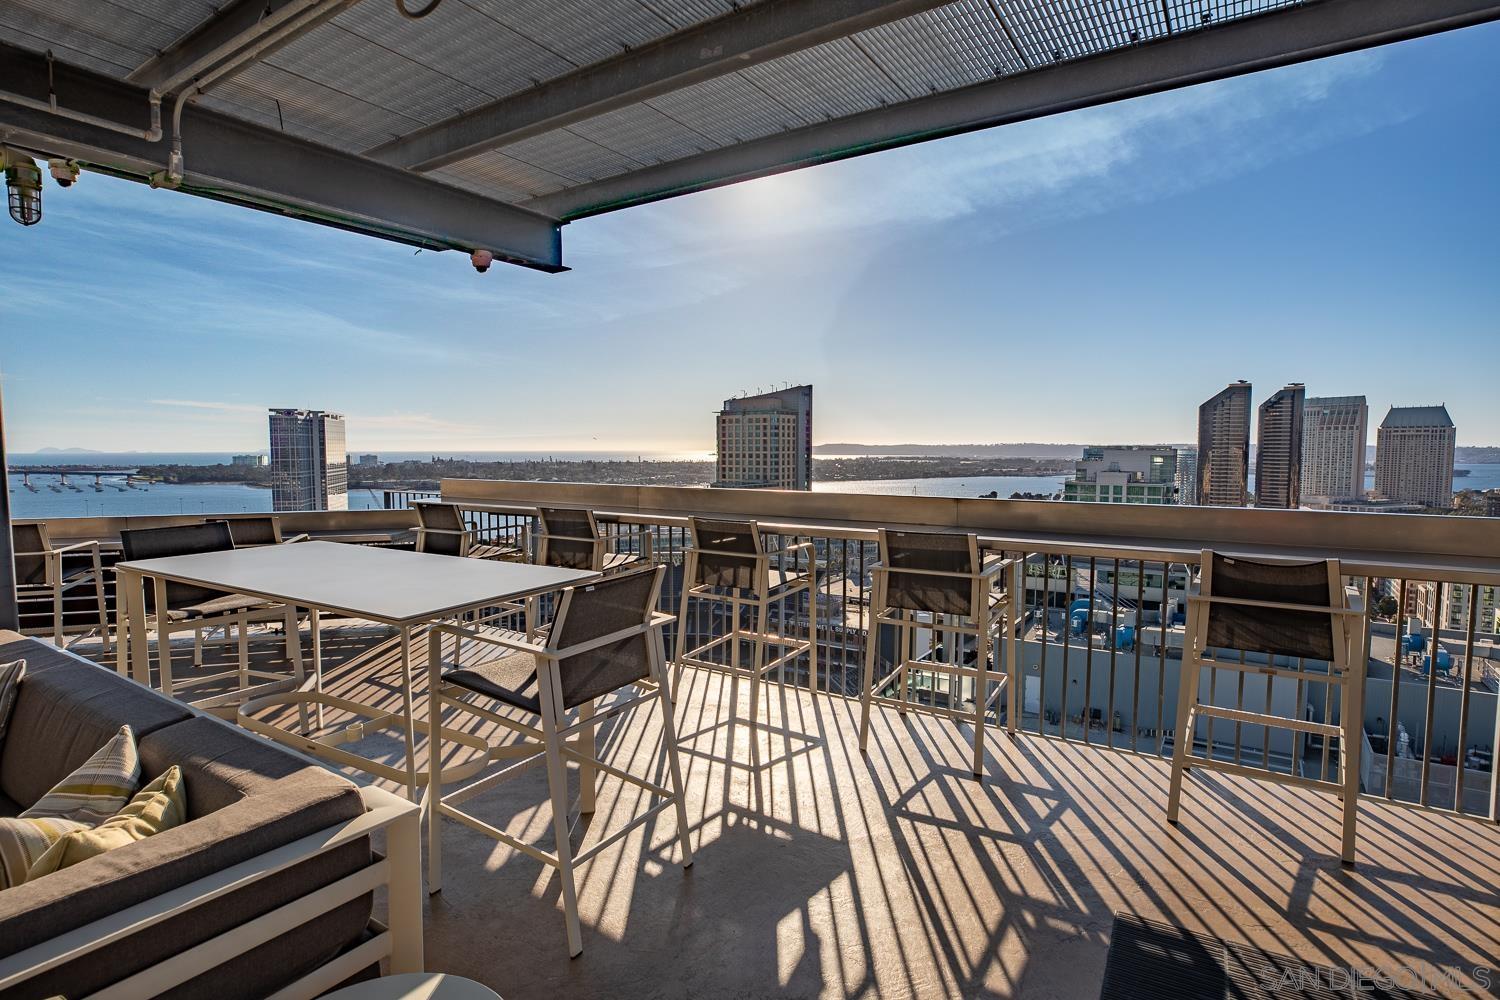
[
  {"x": 502, "y": 172},
  {"x": 727, "y": 109},
  {"x": 942, "y": 49},
  {"x": 643, "y": 133},
  {"x": 827, "y": 81}
]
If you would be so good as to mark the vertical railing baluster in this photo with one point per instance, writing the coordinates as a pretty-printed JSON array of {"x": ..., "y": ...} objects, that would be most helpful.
[
  {"x": 1463, "y": 702},
  {"x": 1114, "y": 643},
  {"x": 1067, "y": 641},
  {"x": 1136, "y": 635},
  {"x": 1437, "y": 629},
  {"x": 1390, "y": 726},
  {"x": 1161, "y": 661},
  {"x": 1088, "y": 662},
  {"x": 1041, "y": 722}
]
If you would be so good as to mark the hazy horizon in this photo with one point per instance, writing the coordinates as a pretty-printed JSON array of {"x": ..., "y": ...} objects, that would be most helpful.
[{"x": 1089, "y": 277}]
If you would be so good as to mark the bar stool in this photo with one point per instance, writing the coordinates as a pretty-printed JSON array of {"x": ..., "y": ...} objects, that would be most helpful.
[
  {"x": 921, "y": 578},
  {"x": 571, "y": 539},
  {"x": 607, "y": 636},
  {"x": 443, "y": 531},
  {"x": 728, "y": 565},
  {"x": 1300, "y": 611}
]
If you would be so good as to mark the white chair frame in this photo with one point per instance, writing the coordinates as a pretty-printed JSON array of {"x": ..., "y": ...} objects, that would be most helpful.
[
  {"x": 758, "y": 599},
  {"x": 556, "y": 741},
  {"x": 1347, "y": 671},
  {"x": 57, "y": 587},
  {"x": 984, "y": 619}
]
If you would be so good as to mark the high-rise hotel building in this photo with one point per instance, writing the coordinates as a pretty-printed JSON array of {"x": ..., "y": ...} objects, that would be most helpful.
[
  {"x": 1414, "y": 455},
  {"x": 1334, "y": 433},
  {"x": 1278, "y": 448},
  {"x": 765, "y": 441},
  {"x": 309, "y": 463},
  {"x": 1224, "y": 447}
]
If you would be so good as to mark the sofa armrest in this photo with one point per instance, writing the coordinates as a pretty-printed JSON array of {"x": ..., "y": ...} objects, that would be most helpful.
[{"x": 48, "y": 964}]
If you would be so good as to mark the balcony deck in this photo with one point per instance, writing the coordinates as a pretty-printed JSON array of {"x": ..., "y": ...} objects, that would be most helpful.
[{"x": 821, "y": 872}]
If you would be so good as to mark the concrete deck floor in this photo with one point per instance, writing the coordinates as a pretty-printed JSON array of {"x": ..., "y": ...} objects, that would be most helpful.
[{"x": 821, "y": 872}]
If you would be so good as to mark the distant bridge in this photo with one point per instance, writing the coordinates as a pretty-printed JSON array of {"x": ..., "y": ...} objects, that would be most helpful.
[{"x": 62, "y": 472}]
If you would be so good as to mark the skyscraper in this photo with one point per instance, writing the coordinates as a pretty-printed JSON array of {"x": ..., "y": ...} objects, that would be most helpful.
[
  {"x": 1414, "y": 455},
  {"x": 1278, "y": 448},
  {"x": 765, "y": 441},
  {"x": 309, "y": 465},
  {"x": 1224, "y": 447},
  {"x": 1334, "y": 432},
  {"x": 1187, "y": 476}
]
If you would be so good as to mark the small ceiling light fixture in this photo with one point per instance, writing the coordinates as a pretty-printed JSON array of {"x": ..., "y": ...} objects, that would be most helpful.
[
  {"x": 23, "y": 186},
  {"x": 481, "y": 259},
  {"x": 65, "y": 172}
]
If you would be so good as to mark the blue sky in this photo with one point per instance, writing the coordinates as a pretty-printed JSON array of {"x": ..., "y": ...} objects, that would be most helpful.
[{"x": 1086, "y": 278}]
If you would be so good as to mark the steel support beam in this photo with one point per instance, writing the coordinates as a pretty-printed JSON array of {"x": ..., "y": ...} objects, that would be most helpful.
[
  {"x": 744, "y": 38},
  {"x": 234, "y": 161},
  {"x": 1278, "y": 38}
]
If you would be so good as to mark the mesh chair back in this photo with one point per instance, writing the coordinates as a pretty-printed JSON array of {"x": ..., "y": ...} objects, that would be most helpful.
[
  {"x": 248, "y": 532},
  {"x": 571, "y": 537},
  {"x": 443, "y": 529},
  {"x": 1275, "y": 631},
  {"x": 595, "y": 610},
  {"x": 440, "y": 517},
  {"x": 179, "y": 540},
  {"x": 727, "y": 553},
  {"x": 934, "y": 552},
  {"x": 31, "y": 567}
]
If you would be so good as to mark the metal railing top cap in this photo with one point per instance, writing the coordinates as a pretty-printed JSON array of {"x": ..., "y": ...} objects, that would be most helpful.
[{"x": 1444, "y": 546}]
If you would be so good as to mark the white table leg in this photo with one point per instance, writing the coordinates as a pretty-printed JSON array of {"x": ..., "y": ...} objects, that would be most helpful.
[
  {"x": 410, "y": 716},
  {"x": 314, "y": 626},
  {"x": 434, "y": 762},
  {"x": 294, "y": 653},
  {"x": 133, "y": 588}
]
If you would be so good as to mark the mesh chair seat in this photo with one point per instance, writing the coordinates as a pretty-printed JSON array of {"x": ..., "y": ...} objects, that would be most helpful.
[
  {"x": 614, "y": 561},
  {"x": 780, "y": 579},
  {"x": 510, "y": 679},
  {"x": 228, "y": 604},
  {"x": 487, "y": 551}
]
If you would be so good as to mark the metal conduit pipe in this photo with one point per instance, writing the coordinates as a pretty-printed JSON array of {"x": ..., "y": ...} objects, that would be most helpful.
[
  {"x": 51, "y": 106},
  {"x": 285, "y": 30},
  {"x": 233, "y": 54}
]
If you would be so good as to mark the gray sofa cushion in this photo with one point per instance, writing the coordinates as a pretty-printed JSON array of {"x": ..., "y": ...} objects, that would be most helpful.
[
  {"x": 303, "y": 803},
  {"x": 66, "y": 710},
  {"x": 221, "y": 764}
]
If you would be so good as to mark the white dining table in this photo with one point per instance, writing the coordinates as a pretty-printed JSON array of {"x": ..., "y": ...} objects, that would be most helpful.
[{"x": 402, "y": 589}]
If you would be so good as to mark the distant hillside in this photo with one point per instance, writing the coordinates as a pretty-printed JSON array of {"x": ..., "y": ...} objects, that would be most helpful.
[{"x": 1021, "y": 450}]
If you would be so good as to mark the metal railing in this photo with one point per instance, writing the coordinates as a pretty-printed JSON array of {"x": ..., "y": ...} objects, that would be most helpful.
[{"x": 1099, "y": 621}]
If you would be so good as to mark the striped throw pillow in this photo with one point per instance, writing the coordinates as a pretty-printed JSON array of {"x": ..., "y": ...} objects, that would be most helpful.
[
  {"x": 98, "y": 789},
  {"x": 10, "y": 684},
  {"x": 159, "y": 806},
  {"x": 24, "y": 841}
]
